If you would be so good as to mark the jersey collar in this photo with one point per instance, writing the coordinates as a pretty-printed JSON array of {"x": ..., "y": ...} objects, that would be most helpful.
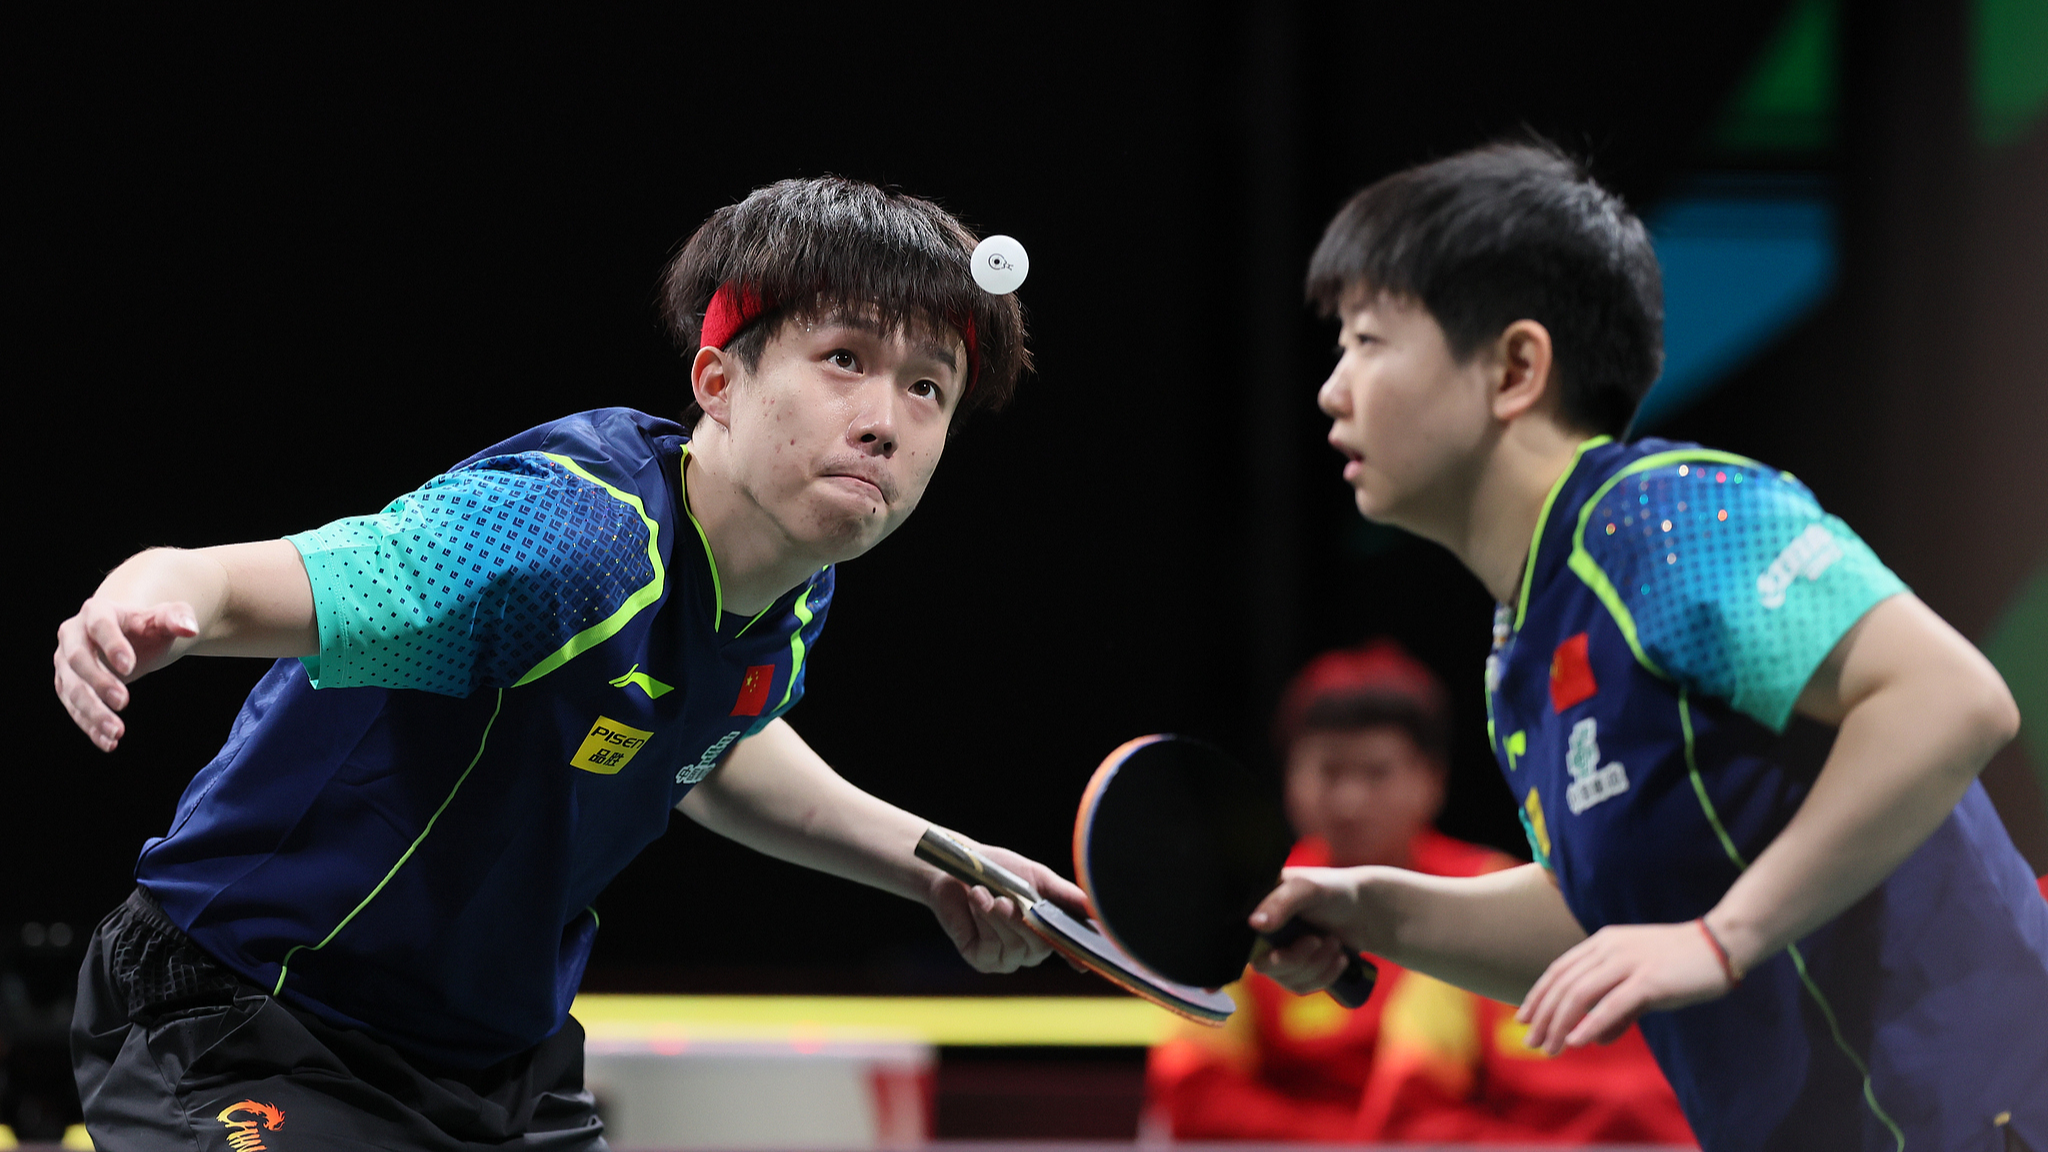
[
  {"x": 1543, "y": 521},
  {"x": 710, "y": 561}
]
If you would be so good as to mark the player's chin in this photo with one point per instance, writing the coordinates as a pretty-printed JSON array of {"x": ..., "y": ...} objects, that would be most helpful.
[{"x": 839, "y": 534}]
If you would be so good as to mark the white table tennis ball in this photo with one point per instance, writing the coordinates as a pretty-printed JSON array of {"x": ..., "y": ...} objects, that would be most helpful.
[{"x": 1000, "y": 265}]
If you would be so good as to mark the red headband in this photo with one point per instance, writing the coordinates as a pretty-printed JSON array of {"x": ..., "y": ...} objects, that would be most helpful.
[{"x": 732, "y": 310}]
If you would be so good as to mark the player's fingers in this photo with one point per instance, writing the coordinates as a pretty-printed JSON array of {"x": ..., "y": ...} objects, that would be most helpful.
[
  {"x": 88, "y": 668},
  {"x": 1000, "y": 926},
  {"x": 1609, "y": 1018},
  {"x": 107, "y": 638},
  {"x": 1563, "y": 970},
  {"x": 1305, "y": 965},
  {"x": 85, "y": 698},
  {"x": 1020, "y": 946},
  {"x": 174, "y": 618},
  {"x": 1296, "y": 893},
  {"x": 1539, "y": 992},
  {"x": 1575, "y": 1000},
  {"x": 993, "y": 939},
  {"x": 1064, "y": 893},
  {"x": 88, "y": 711},
  {"x": 952, "y": 906},
  {"x": 77, "y": 656},
  {"x": 1540, "y": 1006}
]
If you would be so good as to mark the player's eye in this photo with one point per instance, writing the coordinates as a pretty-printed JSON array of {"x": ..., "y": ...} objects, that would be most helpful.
[
  {"x": 928, "y": 389},
  {"x": 843, "y": 358}
]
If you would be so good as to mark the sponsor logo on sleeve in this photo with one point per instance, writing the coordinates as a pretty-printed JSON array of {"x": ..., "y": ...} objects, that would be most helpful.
[
  {"x": 1809, "y": 554},
  {"x": 1590, "y": 784},
  {"x": 1571, "y": 676},
  {"x": 693, "y": 773},
  {"x": 246, "y": 1121},
  {"x": 609, "y": 747}
]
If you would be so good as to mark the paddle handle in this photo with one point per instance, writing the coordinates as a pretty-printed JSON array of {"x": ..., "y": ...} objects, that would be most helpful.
[
  {"x": 1353, "y": 986},
  {"x": 970, "y": 867}
]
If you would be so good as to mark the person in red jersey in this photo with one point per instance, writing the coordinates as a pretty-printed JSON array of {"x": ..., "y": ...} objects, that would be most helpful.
[{"x": 1365, "y": 737}]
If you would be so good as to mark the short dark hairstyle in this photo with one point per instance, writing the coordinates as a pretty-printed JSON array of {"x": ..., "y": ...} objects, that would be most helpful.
[
  {"x": 1507, "y": 232},
  {"x": 819, "y": 246}
]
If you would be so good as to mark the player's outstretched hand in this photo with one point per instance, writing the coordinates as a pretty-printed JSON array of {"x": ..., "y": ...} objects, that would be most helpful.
[
  {"x": 1327, "y": 899},
  {"x": 989, "y": 930},
  {"x": 105, "y": 648},
  {"x": 1592, "y": 993}
]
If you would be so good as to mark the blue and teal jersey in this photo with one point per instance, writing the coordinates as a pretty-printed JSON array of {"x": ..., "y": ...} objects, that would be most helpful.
[
  {"x": 1640, "y": 701},
  {"x": 523, "y": 666}
]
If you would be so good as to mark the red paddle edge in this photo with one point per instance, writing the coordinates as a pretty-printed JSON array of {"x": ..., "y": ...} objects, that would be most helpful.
[{"x": 1084, "y": 823}]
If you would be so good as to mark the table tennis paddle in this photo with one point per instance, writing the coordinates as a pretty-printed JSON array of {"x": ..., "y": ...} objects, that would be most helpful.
[
  {"x": 1175, "y": 844},
  {"x": 1071, "y": 938}
]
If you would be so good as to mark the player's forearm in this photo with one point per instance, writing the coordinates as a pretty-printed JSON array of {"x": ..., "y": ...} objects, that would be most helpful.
[
  {"x": 247, "y": 599},
  {"x": 171, "y": 575},
  {"x": 778, "y": 797},
  {"x": 1492, "y": 934},
  {"x": 1901, "y": 761}
]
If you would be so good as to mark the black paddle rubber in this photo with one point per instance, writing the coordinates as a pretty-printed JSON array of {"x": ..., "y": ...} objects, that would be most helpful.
[
  {"x": 1079, "y": 942},
  {"x": 1175, "y": 844}
]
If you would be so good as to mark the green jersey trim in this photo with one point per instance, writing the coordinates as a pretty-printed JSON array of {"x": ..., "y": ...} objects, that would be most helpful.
[
  {"x": 1827, "y": 1010},
  {"x": 717, "y": 590},
  {"x": 284, "y": 969},
  {"x": 1588, "y": 569},
  {"x": 804, "y": 616},
  {"x": 647, "y": 593},
  {"x": 1543, "y": 518}
]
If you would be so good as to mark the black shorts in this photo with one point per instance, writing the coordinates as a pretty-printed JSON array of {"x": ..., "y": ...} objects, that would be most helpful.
[{"x": 172, "y": 1050}]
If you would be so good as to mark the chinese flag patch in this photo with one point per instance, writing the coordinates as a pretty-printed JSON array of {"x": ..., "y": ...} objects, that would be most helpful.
[
  {"x": 754, "y": 689},
  {"x": 1571, "y": 678}
]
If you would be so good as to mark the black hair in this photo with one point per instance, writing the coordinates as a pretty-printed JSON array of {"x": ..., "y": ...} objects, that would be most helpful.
[
  {"x": 1507, "y": 232},
  {"x": 1425, "y": 725},
  {"x": 814, "y": 247}
]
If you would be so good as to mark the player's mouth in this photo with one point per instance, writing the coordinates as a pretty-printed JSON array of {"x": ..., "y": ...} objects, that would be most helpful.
[
  {"x": 868, "y": 483},
  {"x": 1353, "y": 459}
]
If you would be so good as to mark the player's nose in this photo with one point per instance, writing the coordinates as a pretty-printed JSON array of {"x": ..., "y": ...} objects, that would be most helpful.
[
  {"x": 873, "y": 429},
  {"x": 1332, "y": 398}
]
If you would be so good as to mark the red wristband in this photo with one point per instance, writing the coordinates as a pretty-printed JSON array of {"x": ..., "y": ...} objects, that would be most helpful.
[{"x": 1720, "y": 953}]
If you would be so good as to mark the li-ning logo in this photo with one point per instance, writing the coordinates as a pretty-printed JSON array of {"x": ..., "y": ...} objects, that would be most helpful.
[
  {"x": 247, "y": 1135},
  {"x": 1811, "y": 553},
  {"x": 692, "y": 773},
  {"x": 655, "y": 689},
  {"x": 1590, "y": 785}
]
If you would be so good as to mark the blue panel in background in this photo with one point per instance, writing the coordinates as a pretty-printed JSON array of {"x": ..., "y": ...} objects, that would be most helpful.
[{"x": 1743, "y": 261}]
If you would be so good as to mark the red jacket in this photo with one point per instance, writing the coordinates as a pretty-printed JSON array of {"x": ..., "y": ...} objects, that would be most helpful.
[{"x": 1420, "y": 1061}]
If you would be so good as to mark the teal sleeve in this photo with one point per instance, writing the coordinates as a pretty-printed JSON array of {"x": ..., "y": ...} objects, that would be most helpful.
[
  {"x": 1727, "y": 576},
  {"x": 475, "y": 579}
]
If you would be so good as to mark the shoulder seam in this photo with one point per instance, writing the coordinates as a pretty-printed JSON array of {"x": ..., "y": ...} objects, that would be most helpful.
[
  {"x": 1595, "y": 578},
  {"x": 646, "y": 594}
]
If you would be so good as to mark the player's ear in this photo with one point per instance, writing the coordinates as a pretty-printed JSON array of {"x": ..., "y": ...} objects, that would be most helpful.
[
  {"x": 711, "y": 379},
  {"x": 1523, "y": 364}
]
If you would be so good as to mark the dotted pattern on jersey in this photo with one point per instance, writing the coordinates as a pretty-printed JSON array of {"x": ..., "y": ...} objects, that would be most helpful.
[
  {"x": 473, "y": 579},
  {"x": 158, "y": 970},
  {"x": 1738, "y": 582}
]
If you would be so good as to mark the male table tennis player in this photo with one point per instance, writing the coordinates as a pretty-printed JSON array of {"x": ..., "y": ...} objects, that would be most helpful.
[
  {"x": 1364, "y": 735},
  {"x": 1831, "y": 943},
  {"x": 371, "y": 911}
]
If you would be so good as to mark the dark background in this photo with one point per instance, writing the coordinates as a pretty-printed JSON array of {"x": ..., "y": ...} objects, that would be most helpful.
[{"x": 269, "y": 269}]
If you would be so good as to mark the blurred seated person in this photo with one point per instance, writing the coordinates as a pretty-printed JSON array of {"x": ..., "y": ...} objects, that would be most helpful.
[{"x": 1365, "y": 737}]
